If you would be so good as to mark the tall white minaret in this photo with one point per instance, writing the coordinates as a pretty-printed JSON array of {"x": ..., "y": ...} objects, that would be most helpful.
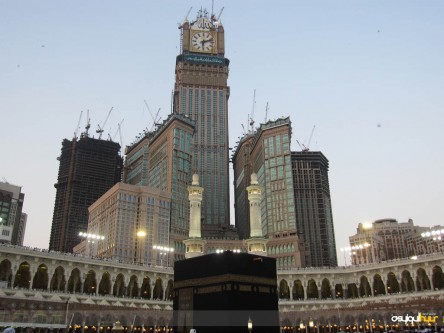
[
  {"x": 256, "y": 244},
  {"x": 195, "y": 244}
]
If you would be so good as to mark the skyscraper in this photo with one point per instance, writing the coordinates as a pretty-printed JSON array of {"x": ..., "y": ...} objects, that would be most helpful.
[
  {"x": 11, "y": 222},
  {"x": 314, "y": 219},
  {"x": 88, "y": 168},
  {"x": 266, "y": 152},
  {"x": 201, "y": 93},
  {"x": 162, "y": 160}
]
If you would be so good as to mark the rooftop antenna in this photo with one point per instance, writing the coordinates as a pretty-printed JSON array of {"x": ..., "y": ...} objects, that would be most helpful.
[
  {"x": 243, "y": 129},
  {"x": 78, "y": 125},
  {"x": 252, "y": 112},
  {"x": 266, "y": 113},
  {"x": 100, "y": 129}
]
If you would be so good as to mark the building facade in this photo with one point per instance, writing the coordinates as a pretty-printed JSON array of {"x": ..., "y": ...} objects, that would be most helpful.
[
  {"x": 12, "y": 220},
  {"x": 271, "y": 161},
  {"x": 162, "y": 160},
  {"x": 88, "y": 168},
  {"x": 127, "y": 222},
  {"x": 242, "y": 167},
  {"x": 314, "y": 218},
  {"x": 44, "y": 288},
  {"x": 201, "y": 93},
  {"x": 388, "y": 239}
]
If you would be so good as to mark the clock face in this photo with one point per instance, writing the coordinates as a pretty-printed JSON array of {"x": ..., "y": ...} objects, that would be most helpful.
[{"x": 203, "y": 41}]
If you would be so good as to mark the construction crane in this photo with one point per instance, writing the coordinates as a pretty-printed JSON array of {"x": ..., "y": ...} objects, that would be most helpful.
[
  {"x": 155, "y": 121},
  {"x": 78, "y": 125},
  {"x": 216, "y": 20},
  {"x": 306, "y": 148},
  {"x": 118, "y": 129},
  {"x": 252, "y": 112},
  {"x": 88, "y": 123},
  {"x": 100, "y": 128}
]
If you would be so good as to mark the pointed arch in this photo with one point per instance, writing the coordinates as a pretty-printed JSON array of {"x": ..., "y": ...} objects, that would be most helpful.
[
  {"x": 133, "y": 288},
  {"x": 298, "y": 290},
  {"x": 23, "y": 276},
  {"x": 284, "y": 290},
  {"x": 325, "y": 289},
  {"x": 90, "y": 284},
  {"x": 437, "y": 278},
  {"x": 105, "y": 284},
  {"x": 169, "y": 293},
  {"x": 364, "y": 287},
  {"x": 392, "y": 284},
  {"x": 339, "y": 290},
  {"x": 407, "y": 284},
  {"x": 74, "y": 281},
  {"x": 119, "y": 286},
  {"x": 312, "y": 290},
  {"x": 6, "y": 271},
  {"x": 40, "y": 280},
  {"x": 58, "y": 280},
  {"x": 422, "y": 280},
  {"x": 378, "y": 285},
  {"x": 352, "y": 290},
  {"x": 145, "y": 291},
  {"x": 158, "y": 289}
]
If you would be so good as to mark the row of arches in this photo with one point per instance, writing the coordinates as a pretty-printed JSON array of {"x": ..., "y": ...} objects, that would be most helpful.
[
  {"x": 87, "y": 284},
  {"x": 379, "y": 285}
]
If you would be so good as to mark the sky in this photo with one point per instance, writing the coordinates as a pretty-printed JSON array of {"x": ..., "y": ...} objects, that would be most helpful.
[{"x": 369, "y": 75}]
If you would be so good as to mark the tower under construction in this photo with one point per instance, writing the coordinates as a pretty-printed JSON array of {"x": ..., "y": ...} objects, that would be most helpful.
[{"x": 88, "y": 168}]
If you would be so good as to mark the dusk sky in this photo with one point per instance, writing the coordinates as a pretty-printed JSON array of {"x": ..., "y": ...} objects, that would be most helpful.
[{"x": 368, "y": 74}]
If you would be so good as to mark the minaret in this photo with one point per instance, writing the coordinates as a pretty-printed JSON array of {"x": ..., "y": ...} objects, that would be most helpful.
[
  {"x": 256, "y": 244},
  {"x": 195, "y": 244}
]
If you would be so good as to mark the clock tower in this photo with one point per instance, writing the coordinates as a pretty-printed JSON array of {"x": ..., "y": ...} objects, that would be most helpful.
[{"x": 201, "y": 93}]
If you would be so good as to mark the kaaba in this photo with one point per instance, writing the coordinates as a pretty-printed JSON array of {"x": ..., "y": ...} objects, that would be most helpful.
[{"x": 223, "y": 292}]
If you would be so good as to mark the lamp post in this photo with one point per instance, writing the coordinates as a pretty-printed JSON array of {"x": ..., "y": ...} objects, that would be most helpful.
[
  {"x": 91, "y": 239},
  {"x": 310, "y": 324},
  {"x": 250, "y": 325},
  {"x": 140, "y": 236},
  {"x": 163, "y": 251}
]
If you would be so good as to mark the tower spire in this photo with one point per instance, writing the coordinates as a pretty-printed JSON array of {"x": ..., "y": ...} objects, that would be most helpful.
[
  {"x": 256, "y": 244},
  {"x": 195, "y": 244}
]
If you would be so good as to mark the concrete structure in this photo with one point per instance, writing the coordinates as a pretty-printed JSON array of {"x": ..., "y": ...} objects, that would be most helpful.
[
  {"x": 12, "y": 221},
  {"x": 201, "y": 93},
  {"x": 387, "y": 239},
  {"x": 41, "y": 287},
  {"x": 314, "y": 217},
  {"x": 162, "y": 159},
  {"x": 88, "y": 168},
  {"x": 127, "y": 221}
]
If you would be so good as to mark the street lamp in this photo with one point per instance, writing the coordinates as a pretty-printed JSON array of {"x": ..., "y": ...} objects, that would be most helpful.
[
  {"x": 91, "y": 239},
  {"x": 310, "y": 324},
  {"x": 140, "y": 235},
  {"x": 163, "y": 251},
  {"x": 250, "y": 325}
]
